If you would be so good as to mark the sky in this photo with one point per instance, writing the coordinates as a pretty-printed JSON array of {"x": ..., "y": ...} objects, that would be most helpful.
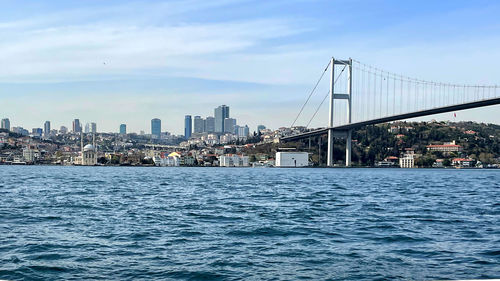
[{"x": 114, "y": 62}]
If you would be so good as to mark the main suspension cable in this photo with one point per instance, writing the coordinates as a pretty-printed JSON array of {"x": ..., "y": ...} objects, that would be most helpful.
[
  {"x": 312, "y": 92},
  {"x": 317, "y": 109}
]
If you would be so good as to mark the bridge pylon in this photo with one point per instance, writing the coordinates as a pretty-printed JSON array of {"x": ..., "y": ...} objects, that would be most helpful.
[{"x": 340, "y": 96}]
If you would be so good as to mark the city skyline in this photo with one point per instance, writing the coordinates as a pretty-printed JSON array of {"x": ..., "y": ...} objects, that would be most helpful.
[
  {"x": 81, "y": 60},
  {"x": 196, "y": 125}
]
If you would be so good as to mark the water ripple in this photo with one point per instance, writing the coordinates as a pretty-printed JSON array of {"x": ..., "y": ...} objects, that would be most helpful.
[{"x": 124, "y": 223}]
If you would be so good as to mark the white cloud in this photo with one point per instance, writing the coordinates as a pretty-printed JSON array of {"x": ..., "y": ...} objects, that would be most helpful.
[{"x": 61, "y": 50}]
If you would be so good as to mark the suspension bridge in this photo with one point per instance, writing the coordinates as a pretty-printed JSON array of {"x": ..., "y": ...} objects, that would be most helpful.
[{"x": 361, "y": 95}]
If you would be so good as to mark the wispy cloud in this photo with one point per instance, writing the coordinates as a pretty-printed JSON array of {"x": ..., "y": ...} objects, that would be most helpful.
[{"x": 58, "y": 50}]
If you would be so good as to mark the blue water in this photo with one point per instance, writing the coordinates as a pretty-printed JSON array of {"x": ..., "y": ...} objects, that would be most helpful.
[{"x": 126, "y": 223}]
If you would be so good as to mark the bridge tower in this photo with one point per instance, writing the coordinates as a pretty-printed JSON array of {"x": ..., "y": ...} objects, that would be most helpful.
[{"x": 340, "y": 96}]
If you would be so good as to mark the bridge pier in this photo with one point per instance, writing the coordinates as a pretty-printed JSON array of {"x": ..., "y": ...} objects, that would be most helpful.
[
  {"x": 330, "y": 148},
  {"x": 333, "y": 96},
  {"x": 329, "y": 158},
  {"x": 348, "y": 149}
]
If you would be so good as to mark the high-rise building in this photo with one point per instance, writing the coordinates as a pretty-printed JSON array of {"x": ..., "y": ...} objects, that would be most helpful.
[
  {"x": 87, "y": 128},
  {"x": 260, "y": 128},
  {"x": 210, "y": 124},
  {"x": 6, "y": 124},
  {"x": 220, "y": 113},
  {"x": 46, "y": 128},
  {"x": 63, "y": 130},
  {"x": 123, "y": 129},
  {"x": 229, "y": 124},
  {"x": 243, "y": 132},
  {"x": 37, "y": 132},
  {"x": 198, "y": 125},
  {"x": 93, "y": 127},
  {"x": 156, "y": 127},
  {"x": 20, "y": 130},
  {"x": 188, "y": 126},
  {"x": 77, "y": 128}
]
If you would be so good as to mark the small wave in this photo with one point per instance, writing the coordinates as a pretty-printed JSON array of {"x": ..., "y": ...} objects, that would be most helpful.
[
  {"x": 492, "y": 253},
  {"x": 195, "y": 275},
  {"x": 263, "y": 231},
  {"x": 417, "y": 253},
  {"x": 44, "y": 269},
  {"x": 399, "y": 238}
]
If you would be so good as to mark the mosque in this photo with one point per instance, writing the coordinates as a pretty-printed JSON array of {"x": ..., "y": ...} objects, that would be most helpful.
[{"x": 88, "y": 154}]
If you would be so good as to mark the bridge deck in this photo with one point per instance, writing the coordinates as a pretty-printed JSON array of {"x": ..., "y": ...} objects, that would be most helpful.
[{"x": 403, "y": 116}]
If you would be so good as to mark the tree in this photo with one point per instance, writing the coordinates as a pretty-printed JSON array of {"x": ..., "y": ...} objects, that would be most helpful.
[
  {"x": 115, "y": 159},
  {"x": 252, "y": 158},
  {"x": 102, "y": 160}
]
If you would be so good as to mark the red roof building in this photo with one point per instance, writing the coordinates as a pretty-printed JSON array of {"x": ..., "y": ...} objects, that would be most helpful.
[{"x": 447, "y": 147}]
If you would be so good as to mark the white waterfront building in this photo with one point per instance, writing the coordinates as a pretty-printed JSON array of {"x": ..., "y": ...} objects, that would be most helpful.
[
  {"x": 292, "y": 159},
  {"x": 407, "y": 161},
  {"x": 232, "y": 160},
  {"x": 29, "y": 155}
]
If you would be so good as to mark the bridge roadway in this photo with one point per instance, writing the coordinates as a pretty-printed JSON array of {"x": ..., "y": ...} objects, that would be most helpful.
[{"x": 344, "y": 128}]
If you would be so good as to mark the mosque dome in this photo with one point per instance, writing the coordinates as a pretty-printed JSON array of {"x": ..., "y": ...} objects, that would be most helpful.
[{"x": 88, "y": 147}]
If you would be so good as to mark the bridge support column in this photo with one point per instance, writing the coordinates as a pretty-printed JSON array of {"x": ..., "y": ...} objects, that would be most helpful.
[
  {"x": 330, "y": 148},
  {"x": 348, "y": 149},
  {"x": 319, "y": 151},
  {"x": 330, "y": 115},
  {"x": 349, "y": 114}
]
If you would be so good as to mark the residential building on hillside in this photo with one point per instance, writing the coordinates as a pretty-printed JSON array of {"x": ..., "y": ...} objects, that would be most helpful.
[
  {"x": 233, "y": 160},
  {"x": 463, "y": 162},
  {"x": 446, "y": 147}
]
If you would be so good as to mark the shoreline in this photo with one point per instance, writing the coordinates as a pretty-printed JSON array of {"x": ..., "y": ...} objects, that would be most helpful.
[{"x": 308, "y": 167}]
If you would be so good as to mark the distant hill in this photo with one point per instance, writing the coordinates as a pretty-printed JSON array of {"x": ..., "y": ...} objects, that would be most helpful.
[{"x": 374, "y": 143}]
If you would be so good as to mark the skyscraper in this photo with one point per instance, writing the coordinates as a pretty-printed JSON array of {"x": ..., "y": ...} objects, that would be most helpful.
[
  {"x": 93, "y": 127},
  {"x": 123, "y": 129},
  {"x": 220, "y": 113},
  {"x": 87, "y": 128},
  {"x": 229, "y": 124},
  {"x": 6, "y": 123},
  {"x": 77, "y": 128},
  {"x": 243, "y": 132},
  {"x": 210, "y": 124},
  {"x": 46, "y": 128},
  {"x": 156, "y": 127},
  {"x": 187, "y": 126},
  {"x": 198, "y": 125}
]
